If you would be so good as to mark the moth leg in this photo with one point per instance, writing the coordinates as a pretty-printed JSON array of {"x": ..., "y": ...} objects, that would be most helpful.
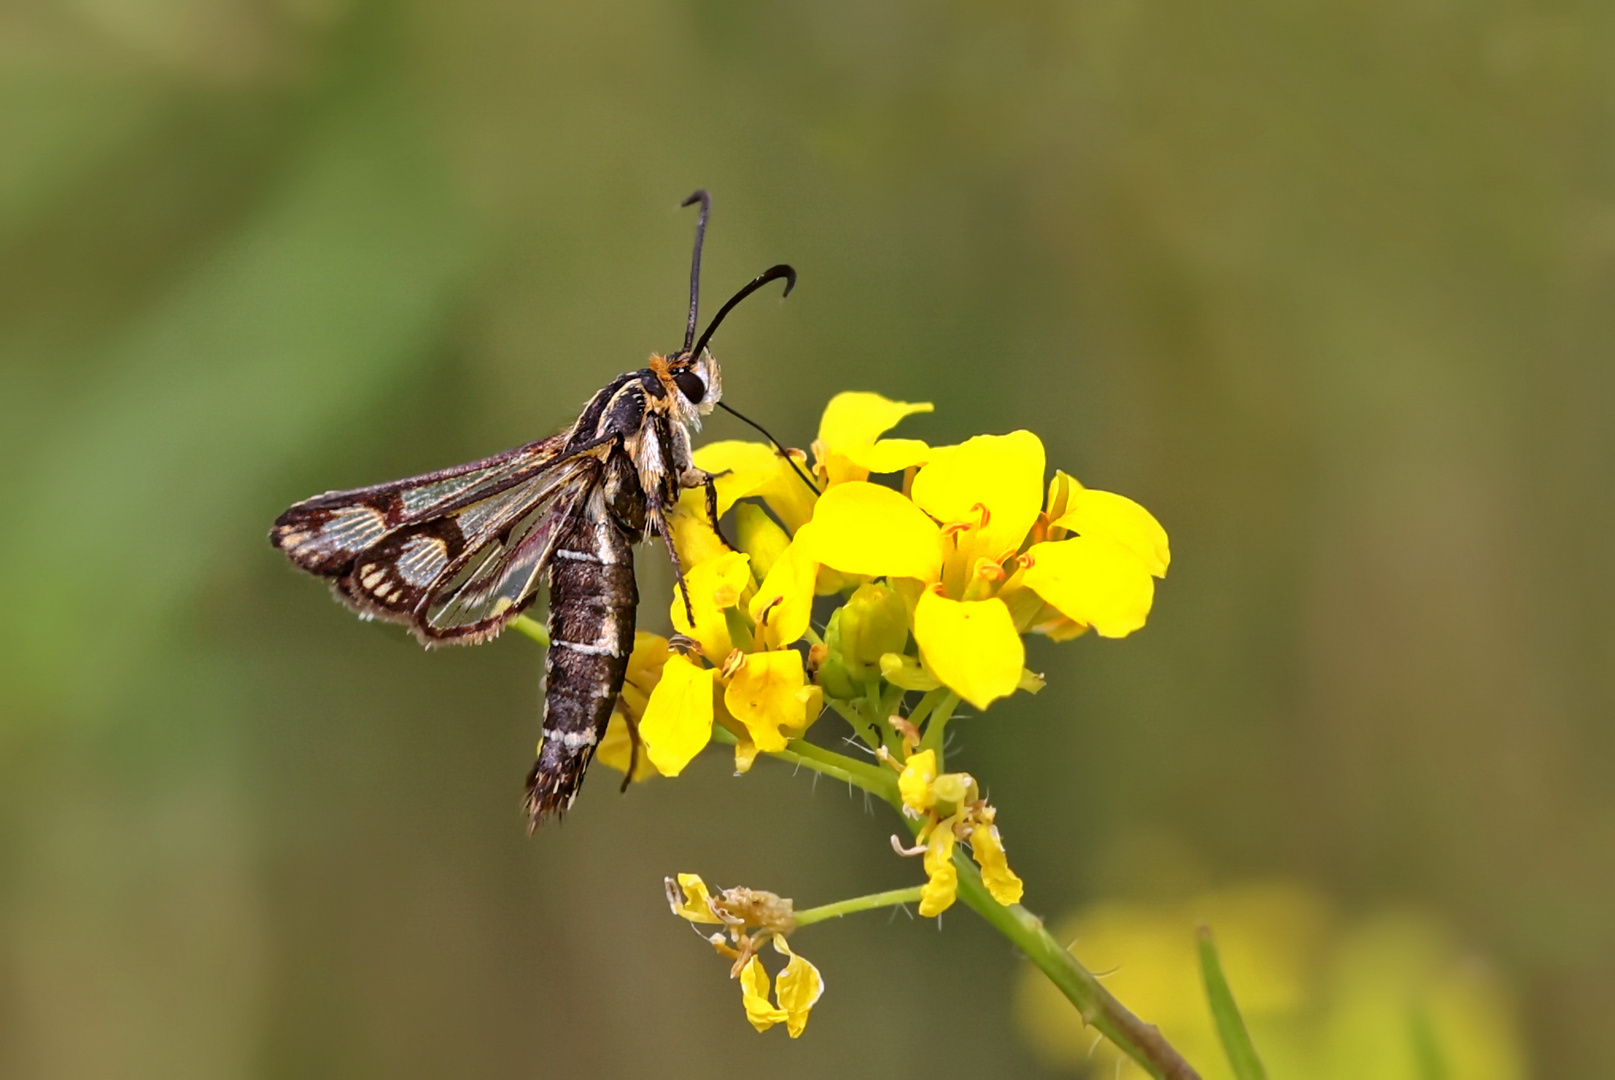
[
  {"x": 634, "y": 744},
  {"x": 710, "y": 482},
  {"x": 698, "y": 478},
  {"x": 659, "y": 520}
]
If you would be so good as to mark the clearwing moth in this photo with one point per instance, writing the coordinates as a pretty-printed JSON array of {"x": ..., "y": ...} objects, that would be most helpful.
[{"x": 457, "y": 554}]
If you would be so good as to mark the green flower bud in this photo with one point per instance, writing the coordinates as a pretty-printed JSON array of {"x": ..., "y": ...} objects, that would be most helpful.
[
  {"x": 832, "y": 674},
  {"x": 874, "y": 622},
  {"x": 760, "y": 537}
]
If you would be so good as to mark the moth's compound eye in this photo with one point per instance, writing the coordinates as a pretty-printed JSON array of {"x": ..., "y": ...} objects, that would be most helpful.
[{"x": 691, "y": 386}]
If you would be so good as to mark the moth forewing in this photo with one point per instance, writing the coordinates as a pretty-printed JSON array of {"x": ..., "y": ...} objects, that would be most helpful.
[{"x": 457, "y": 554}]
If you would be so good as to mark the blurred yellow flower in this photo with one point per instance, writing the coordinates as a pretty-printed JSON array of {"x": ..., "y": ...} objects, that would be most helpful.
[{"x": 1324, "y": 998}]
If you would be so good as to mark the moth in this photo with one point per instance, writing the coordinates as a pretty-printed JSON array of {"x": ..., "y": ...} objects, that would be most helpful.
[{"x": 457, "y": 554}]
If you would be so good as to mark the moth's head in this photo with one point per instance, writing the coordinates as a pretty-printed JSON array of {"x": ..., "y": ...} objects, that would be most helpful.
[{"x": 695, "y": 382}]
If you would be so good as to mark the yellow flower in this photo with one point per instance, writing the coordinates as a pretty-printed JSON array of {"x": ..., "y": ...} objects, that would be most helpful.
[
  {"x": 768, "y": 692},
  {"x": 752, "y": 917},
  {"x": 994, "y": 564}
]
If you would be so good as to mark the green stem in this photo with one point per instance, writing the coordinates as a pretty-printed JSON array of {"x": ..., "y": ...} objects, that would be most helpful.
[
  {"x": 533, "y": 629},
  {"x": 799, "y": 752},
  {"x": 1140, "y": 1041},
  {"x": 937, "y": 725},
  {"x": 890, "y": 898},
  {"x": 862, "y": 727}
]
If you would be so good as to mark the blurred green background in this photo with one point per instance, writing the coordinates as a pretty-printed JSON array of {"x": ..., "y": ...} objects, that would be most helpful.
[{"x": 1325, "y": 286}]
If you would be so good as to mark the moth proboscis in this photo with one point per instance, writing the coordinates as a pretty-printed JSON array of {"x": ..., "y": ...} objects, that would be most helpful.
[{"x": 457, "y": 554}]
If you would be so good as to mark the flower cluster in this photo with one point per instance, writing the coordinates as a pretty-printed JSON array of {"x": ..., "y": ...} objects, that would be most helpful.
[
  {"x": 751, "y": 919},
  {"x": 940, "y": 559},
  {"x": 973, "y": 546}
]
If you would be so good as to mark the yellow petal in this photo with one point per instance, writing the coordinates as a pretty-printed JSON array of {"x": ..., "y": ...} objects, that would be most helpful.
[
  {"x": 747, "y": 469},
  {"x": 1094, "y": 581},
  {"x": 678, "y": 718},
  {"x": 646, "y": 661},
  {"x": 988, "y": 848},
  {"x": 797, "y": 990},
  {"x": 693, "y": 537},
  {"x": 1003, "y": 473},
  {"x": 1116, "y": 517},
  {"x": 888, "y": 455},
  {"x": 783, "y": 604},
  {"x": 762, "y": 694},
  {"x": 849, "y": 446},
  {"x": 754, "y": 996},
  {"x": 812, "y": 699},
  {"x": 915, "y": 782},
  {"x": 970, "y": 645},
  {"x": 942, "y": 885},
  {"x": 855, "y": 418},
  {"x": 617, "y": 748},
  {"x": 863, "y": 528},
  {"x": 759, "y": 536},
  {"x": 695, "y": 904},
  {"x": 714, "y": 585},
  {"x": 1060, "y": 487},
  {"x": 740, "y": 469},
  {"x": 746, "y": 753}
]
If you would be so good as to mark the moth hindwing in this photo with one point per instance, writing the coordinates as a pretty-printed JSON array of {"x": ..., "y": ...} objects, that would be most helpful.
[{"x": 457, "y": 554}]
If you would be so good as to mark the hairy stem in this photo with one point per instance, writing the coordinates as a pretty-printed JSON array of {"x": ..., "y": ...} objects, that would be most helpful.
[
  {"x": 1140, "y": 1041},
  {"x": 890, "y": 898},
  {"x": 838, "y": 766}
]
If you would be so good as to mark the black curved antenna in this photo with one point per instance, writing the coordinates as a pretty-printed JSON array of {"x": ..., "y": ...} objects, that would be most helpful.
[
  {"x": 784, "y": 453},
  {"x": 773, "y": 273},
  {"x": 700, "y": 196}
]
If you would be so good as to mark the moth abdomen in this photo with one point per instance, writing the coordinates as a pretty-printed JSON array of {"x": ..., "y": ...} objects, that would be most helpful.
[{"x": 591, "y": 624}]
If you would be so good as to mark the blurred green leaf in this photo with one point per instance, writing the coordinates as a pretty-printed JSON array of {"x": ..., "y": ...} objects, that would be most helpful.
[
  {"x": 1236, "y": 1041},
  {"x": 1427, "y": 1055},
  {"x": 317, "y": 304}
]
